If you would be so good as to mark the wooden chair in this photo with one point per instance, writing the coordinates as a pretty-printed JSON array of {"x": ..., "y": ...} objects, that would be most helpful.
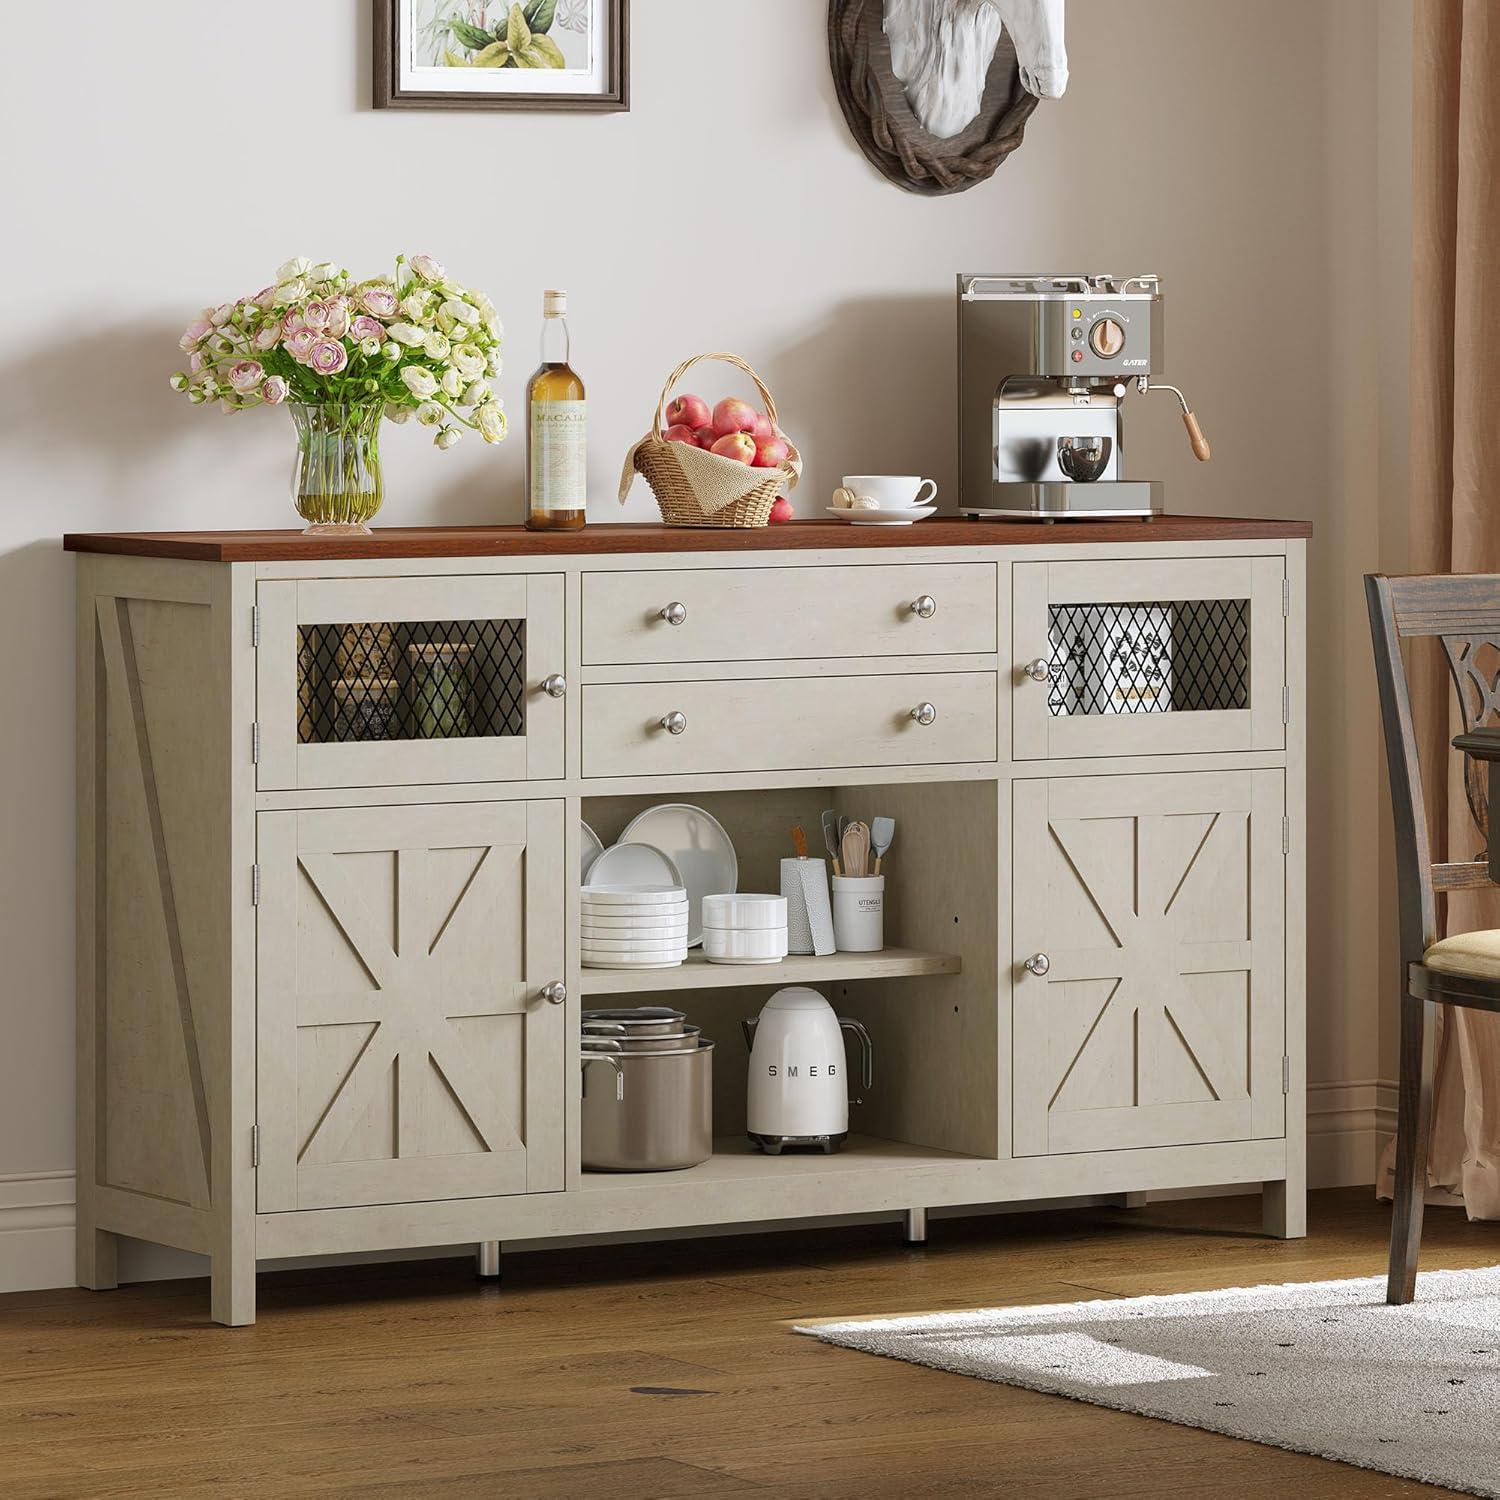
[{"x": 1463, "y": 612}]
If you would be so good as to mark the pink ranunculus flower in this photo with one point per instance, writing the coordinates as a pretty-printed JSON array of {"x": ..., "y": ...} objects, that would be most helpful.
[
  {"x": 273, "y": 391},
  {"x": 267, "y": 338},
  {"x": 194, "y": 334},
  {"x": 328, "y": 357},
  {"x": 196, "y": 361},
  {"x": 316, "y": 315},
  {"x": 427, "y": 268},
  {"x": 338, "y": 318},
  {"x": 292, "y": 320},
  {"x": 300, "y": 344},
  {"x": 245, "y": 375},
  {"x": 265, "y": 296},
  {"x": 379, "y": 300},
  {"x": 365, "y": 327}
]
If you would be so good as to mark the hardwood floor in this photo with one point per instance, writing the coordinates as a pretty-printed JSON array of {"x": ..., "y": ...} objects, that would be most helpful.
[{"x": 656, "y": 1370}]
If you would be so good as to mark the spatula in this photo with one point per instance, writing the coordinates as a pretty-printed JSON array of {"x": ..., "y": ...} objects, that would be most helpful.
[
  {"x": 831, "y": 838},
  {"x": 882, "y": 831},
  {"x": 856, "y": 848}
]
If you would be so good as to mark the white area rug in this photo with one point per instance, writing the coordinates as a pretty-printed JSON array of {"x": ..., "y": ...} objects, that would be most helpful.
[{"x": 1325, "y": 1367}]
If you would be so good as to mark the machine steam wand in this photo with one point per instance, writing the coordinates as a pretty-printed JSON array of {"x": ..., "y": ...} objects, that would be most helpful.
[{"x": 1201, "y": 450}]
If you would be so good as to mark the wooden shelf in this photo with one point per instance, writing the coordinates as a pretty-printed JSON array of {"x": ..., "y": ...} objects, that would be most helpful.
[{"x": 698, "y": 974}]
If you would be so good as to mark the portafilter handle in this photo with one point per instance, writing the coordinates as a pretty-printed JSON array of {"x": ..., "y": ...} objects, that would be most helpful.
[
  {"x": 1201, "y": 451},
  {"x": 867, "y": 1047}
]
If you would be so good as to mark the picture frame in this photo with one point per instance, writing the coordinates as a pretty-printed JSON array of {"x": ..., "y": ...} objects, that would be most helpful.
[{"x": 576, "y": 57}]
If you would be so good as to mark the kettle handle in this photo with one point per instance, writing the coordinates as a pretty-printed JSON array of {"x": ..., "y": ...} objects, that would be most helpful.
[
  {"x": 866, "y": 1047},
  {"x": 748, "y": 1028}
]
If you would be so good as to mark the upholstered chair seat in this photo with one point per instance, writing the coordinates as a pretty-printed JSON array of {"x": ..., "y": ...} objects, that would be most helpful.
[{"x": 1476, "y": 953}]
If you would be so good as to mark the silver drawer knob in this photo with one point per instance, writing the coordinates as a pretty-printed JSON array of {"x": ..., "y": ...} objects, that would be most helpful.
[
  {"x": 674, "y": 613},
  {"x": 925, "y": 607},
  {"x": 674, "y": 722},
  {"x": 924, "y": 713},
  {"x": 1037, "y": 964},
  {"x": 1039, "y": 669},
  {"x": 555, "y": 993},
  {"x": 555, "y": 685}
]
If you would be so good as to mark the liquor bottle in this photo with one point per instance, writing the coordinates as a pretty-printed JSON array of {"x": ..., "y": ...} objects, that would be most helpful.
[{"x": 556, "y": 430}]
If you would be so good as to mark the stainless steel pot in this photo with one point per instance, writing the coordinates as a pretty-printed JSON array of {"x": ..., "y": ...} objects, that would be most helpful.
[
  {"x": 639, "y": 1020},
  {"x": 655, "y": 1114},
  {"x": 670, "y": 1041}
]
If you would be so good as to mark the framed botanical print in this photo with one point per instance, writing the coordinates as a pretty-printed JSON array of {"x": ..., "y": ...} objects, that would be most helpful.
[{"x": 502, "y": 54}]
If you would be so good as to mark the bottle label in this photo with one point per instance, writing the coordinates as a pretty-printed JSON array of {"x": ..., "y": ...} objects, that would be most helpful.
[{"x": 559, "y": 455}]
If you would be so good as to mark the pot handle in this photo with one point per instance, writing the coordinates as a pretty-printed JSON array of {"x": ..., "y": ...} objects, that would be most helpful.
[
  {"x": 866, "y": 1046},
  {"x": 615, "y": 1063}
]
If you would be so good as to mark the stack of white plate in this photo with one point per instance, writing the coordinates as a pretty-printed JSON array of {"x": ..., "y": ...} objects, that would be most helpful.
[
  {"x": 633, "y": 926},
  {"x": 743, "y": 928}
]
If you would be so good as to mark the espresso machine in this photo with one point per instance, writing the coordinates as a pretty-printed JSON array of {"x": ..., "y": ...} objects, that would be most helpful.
[{"x": 1044, "y": 364}]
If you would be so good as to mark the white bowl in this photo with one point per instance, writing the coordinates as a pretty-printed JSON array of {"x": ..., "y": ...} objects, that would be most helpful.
[
  {"x": 633, "y": 895},
  {"x": 741, "y": 910},
  {"x": 754, "y": 945}
]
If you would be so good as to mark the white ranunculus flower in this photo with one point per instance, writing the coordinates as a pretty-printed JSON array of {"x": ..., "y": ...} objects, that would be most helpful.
[
  {"x": 495, "y": 365},
  {"x": 448, "y": 436},
  {"x": 453, "y": 384},
  {"x": 429, "y": 414},
  {"x": 476, "y": 393},
  {"x": 414, "y": 305},
  {"x": 491, "y": 420},
  {"x": 291, "y": 291},
  {"x": 419, "y": 381},
  {"x": 397, "y": 414},
  {"x": 323, "y": 271},
  {"x": 460, "y": 312},
  {"x": 293, "y": 269},
  {"x": 390, "y": 352},
  {"x": 436, "y": 346},
  {"x": 404, "y": 333},
  {"x": 468, "y": 359}
]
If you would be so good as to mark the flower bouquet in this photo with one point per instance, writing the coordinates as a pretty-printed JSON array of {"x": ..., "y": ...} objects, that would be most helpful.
[{"x": 341, "y": 355}]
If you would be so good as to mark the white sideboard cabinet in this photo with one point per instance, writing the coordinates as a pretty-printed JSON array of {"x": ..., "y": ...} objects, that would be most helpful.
[{"x": 329, "y": 806}]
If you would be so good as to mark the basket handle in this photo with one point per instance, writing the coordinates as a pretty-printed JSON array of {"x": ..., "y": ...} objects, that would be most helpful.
[{"x": 729, "y": 359}]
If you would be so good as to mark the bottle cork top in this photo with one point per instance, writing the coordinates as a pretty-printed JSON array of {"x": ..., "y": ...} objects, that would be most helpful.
[{"x": 554, "y": 304}]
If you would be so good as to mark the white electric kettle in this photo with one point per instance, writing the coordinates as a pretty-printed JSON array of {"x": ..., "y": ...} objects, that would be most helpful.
[{"x": 797, "y": 1093}]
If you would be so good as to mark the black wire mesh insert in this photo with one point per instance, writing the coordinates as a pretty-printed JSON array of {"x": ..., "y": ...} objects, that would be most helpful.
[
  {"x": 409, "y": 680},
  {"x": 1166, "y": 656}
]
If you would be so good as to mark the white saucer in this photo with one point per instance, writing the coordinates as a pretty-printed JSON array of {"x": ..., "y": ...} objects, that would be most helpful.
[
  {"x": 903, "y": 517},
  {"x": 634, "y": 863},
  {"x": 591, "y": 848}
]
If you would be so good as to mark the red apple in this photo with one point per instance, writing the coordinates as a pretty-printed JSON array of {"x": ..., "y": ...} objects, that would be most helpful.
[
  {"x": 770, "y": 451},
  {"x": 734, "y": 415},
  {"x": 706, "y": 436},
  {"x": 736, "y": 445},
  {"x": 762, "y": 428},
  {"x": 781, "y": 510},
  {"x": 681, "y": 433},
  {"x": 688, "y": 411}
]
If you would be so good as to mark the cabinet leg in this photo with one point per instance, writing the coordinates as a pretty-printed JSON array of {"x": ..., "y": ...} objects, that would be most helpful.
[
  {"x": 98, "y": 1257},
  {"x": 1283, "y": 1207},
  {"x": 487, "y": 1260},
  {"x": 232, "y": 1290},
  {"x": 915, "y": 1227},
  {"x": 1130, "y": 1200}
]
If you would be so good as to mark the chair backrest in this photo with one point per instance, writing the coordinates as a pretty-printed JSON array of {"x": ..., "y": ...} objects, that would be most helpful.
[{"x": 1463, "y": 612}]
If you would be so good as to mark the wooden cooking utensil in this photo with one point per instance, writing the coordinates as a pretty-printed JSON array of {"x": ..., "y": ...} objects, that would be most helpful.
[{"x": 855, "y": 848}]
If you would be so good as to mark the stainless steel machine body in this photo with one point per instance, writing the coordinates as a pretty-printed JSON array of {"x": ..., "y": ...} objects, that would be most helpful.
[{"x": 1043, "y": 366}]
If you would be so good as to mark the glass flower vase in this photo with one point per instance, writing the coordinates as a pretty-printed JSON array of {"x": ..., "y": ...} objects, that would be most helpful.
[{"x": 336, "y": 480}]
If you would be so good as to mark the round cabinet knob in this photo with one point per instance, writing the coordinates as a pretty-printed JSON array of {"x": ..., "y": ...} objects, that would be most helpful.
[
  {"x": 1106, "y": 338},
  {"x": 674, "y": 722},
  {"x": 555, "y": 993},
  {"x": 674, "y": 613},
  {"x": 1039, "y": 669},
  {"x": 925, "y": 607},
  {"x": 924, "y": 713},
  {"x": 1038, "y": 964},
  {"x": 555, "y": 685}
]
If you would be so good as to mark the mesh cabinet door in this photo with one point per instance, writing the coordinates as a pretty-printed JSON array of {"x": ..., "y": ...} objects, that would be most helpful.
[
  {"x": 1148, "y": 658},
  {"x": 408, "y": 681}
]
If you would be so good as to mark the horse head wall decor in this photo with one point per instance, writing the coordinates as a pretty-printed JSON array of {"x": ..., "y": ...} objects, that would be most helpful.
[{"x": 937, "y": 92}]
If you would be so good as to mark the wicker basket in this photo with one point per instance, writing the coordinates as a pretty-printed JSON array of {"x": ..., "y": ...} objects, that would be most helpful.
[{"x": 696, "y": 488}]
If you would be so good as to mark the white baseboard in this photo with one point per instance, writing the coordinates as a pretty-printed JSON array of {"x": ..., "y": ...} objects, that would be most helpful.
[{"x": 1347, "y": 1124}]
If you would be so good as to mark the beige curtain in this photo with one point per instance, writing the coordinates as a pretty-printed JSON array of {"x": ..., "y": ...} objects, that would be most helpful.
[{"x": 1455, "y": 505}]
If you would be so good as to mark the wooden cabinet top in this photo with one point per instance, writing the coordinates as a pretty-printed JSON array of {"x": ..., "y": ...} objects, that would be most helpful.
[{"x": 794, "y": 536}]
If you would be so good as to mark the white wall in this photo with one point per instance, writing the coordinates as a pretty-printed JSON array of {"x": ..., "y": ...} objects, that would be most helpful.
[{"x": 1231, "y": 148}]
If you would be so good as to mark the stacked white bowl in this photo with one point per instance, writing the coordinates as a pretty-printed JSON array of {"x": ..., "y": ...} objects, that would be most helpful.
[
  {"x": 633, "y": 926},
  {"x": 744, "y": 928}
]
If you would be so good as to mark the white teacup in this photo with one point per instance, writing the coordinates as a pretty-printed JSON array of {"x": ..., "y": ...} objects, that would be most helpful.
[{"x": 892, "y": 491}]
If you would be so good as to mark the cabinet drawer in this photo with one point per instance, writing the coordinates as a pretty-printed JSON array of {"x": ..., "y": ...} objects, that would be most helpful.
[
  {"x": 771, "y": 614},
  {"x": 408, "y": 681},
  {"x": 1148, "y": 658},
  {"x": 787, "y": 724}
]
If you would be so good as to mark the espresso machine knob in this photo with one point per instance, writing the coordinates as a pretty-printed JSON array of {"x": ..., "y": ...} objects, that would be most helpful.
[{"x": 1106, "y": 338}]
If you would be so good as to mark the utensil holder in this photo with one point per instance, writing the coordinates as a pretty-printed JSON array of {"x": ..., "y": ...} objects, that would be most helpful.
[
  {"x": 859, "y": 913},
  {"x": 809, "y": 917}
]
